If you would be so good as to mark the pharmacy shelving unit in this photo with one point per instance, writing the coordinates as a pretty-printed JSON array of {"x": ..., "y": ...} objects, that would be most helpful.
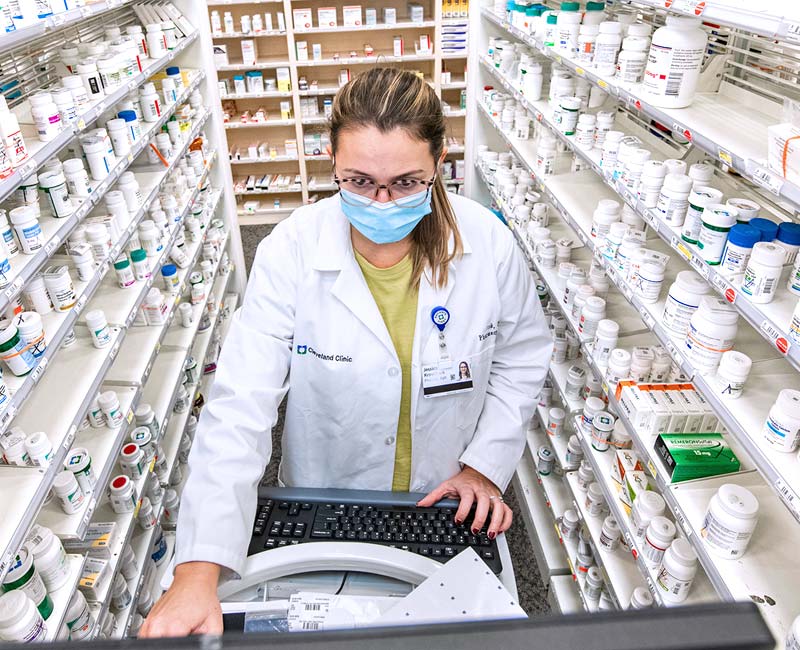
[
  {"x": 304, "y": 174},
  {"x": 573, "y": 195},
  {"x": 140, "y": 363}
]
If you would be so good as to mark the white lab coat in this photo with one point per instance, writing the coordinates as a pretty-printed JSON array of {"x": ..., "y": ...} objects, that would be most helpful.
[{"x": 309, "y": 325}]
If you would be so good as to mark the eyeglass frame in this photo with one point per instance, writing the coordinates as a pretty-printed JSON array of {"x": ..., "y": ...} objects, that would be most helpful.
[{"x": 428, "y": 185}]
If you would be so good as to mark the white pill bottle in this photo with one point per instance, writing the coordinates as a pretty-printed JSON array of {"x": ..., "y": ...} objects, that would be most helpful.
[{"x": 674, "y": 61}]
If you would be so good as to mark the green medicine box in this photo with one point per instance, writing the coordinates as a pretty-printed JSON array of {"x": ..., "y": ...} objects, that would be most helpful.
[{"x": 690, "y": 456}]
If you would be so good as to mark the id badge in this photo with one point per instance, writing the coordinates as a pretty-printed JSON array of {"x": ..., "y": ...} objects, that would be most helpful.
[{"x": 446, "y": 378}]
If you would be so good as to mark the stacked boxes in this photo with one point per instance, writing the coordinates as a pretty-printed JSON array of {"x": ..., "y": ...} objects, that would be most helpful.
[{"x": 666, "y": 408}]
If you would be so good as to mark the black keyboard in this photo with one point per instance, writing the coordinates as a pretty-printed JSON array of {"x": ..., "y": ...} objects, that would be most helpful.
[{"x": 298, "y": 515}]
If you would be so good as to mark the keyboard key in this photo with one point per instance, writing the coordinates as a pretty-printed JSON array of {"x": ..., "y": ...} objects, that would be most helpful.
[
  {"x": 436, "y": 552},
  {"x": 283, "y": 542},
  {"x": 305, "y": 506},
  {"x": 298, "y": 532},
  {"x": 287, "y": 530},
  {"x": 271, "y": 542},
  {"x": 424, "y": 550},
  {"x": 363, "y": 536},
  {"x": 300, "y": 527},
  {"x": 487, "y": 555},
  {"x": 449, "y": 551},
  {"x": 294, "y": 510},
  {"x": 339, "y": 534},
  {"x": 275, "y": 531},
  {"x": 351, "y": 534},
  {"x": 374, "y": 537},
  {"x": 283, "y": 505},
  {"x": 321, "y": 534}
]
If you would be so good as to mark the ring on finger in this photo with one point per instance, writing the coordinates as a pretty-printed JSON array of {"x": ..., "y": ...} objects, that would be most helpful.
[{"x": 499, "y": 498}]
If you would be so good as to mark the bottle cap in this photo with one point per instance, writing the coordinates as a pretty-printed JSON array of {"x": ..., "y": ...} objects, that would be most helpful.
[
  {"x": 744, "y": 235},
  {"x": 789, "y": 233},
  {"x": 768, "y": 229}
]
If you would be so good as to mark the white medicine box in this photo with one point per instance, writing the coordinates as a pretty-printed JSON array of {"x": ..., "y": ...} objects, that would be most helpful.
[
  {"x": 302, "y": 19},
  {"x": 302, "y": 50},
  {"x": 416, "y": 13},
  {"x": 220, "y": 54},
  {"x": 248, "y": 52},
  {"x": 326, "y": 17},
  {"x": 351, "y": 16},
  {"x": 390, "y": 15}
]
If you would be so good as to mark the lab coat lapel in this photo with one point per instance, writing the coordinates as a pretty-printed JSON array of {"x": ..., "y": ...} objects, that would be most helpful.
[{"x": 335, "y": 253}]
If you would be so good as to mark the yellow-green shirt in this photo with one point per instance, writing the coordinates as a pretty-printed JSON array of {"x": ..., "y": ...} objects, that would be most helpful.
[{"x": 397, "y": 303}]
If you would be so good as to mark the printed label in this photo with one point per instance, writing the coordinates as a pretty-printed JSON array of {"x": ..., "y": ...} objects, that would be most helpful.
[
  {"x": 767, "y": 179},
  {"x": 775, "y": 336},
  {"x": 789, "y": 497}
]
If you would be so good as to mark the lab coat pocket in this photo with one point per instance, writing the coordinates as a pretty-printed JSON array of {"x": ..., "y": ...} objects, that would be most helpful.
[{"x": 471, "y": 404}]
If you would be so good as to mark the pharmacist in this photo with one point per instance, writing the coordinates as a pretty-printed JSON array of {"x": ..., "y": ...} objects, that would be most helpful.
[{"x": 362, "y": 307}]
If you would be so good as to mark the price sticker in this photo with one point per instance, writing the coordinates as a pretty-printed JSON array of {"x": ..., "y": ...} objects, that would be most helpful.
[
  {"x": 725, "y": 156},
  {"x": 38, "y": 371},
  {"x": 700, "y": 266},
  {"x": 11, "y": 411},
  {"x": 603, "y": 84},
  {"x": 50, "y": 246},
  {"x": 79, "y": 303},
  {"x": 682, "y": 130},
  {"x": 652, "y": 468},
  {"x": 114, "y": 350},
  {"x": 80, "y": 125},
  {"x": 789, "y": 497},
  {"x": 14, "y": 287},
  {"x": 679, "y": 246},
  {"x": 648, "y": 319},
  {"x": 70, "y": 436},
  {"x": 776, "y": 337},
  {"x": 673, "y": 351},
  {"x": 580, "y": 71},
  {"x": 28, "y": 168},
  {"x": 767, "y": 179},
  {"x": 793, "y": 32},
  {"x": 655, "y": 224}
]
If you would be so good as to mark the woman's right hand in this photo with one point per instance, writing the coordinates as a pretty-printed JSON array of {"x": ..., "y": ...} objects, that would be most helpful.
[{"x": 190, "y": 606}]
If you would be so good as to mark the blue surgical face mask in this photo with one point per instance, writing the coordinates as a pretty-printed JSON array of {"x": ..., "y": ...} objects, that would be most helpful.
[{"x": 384, "y": 223}]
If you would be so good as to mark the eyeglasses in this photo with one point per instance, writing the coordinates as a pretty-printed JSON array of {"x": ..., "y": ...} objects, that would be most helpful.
[{"x": 399, "y": 189}]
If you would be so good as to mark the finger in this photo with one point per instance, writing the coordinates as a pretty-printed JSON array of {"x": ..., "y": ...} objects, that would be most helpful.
[
  {"x": 498, "y": 514},
  {"x": 467, "y": 495},
  {"x": 481, "y": 510},
  {"x": 507, "y": 520},
  {"x": 438, "y": 493}
]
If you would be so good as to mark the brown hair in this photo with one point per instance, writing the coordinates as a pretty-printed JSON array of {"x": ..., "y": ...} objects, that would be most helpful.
[{"x": 390, "y": 98}]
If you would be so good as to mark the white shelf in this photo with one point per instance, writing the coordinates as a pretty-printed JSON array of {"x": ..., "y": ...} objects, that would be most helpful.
[
  {"x": 57, "y": 22},
  {"x": 743, "y": 417},
  {"x": 255, "y": 125},
  {"x": 263, "y": 161},
  {"x": 267, "y": 94},
  {"x": 619, "y": 569},
  {"x": 41, "y": 152},
  {"x": 565, "y": 591},
  {"x": 724, "y": 124},
  {"x": 217, "y": 36},
  {"x": 539, "y": 522},
  {"x": 56, "y": 231},
  {"x": 403, "y": 25},
  {"x": 263, "y": 64},
  {"x": 383, "y": 58}
]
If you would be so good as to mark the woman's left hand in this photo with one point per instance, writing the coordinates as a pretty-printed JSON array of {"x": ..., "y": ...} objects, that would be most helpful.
[{"x": 473, "y": 488}]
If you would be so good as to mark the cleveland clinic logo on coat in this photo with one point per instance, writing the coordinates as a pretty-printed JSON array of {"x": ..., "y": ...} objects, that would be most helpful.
[{"x": 341, "y": 358}]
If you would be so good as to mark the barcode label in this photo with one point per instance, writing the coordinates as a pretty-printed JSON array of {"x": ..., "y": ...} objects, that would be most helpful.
[
  {"x": 310, "y": 625},
  {"x": 789, "y": 497},
  {"x": 768, "y": 179},
  {"x": 674, "y": 81},
  {"x": 776, "y": 337},
  {"x": 314, "y": 607},
  {"x": 700, "y": 266},
  {"x": 793, "y": 32}
]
